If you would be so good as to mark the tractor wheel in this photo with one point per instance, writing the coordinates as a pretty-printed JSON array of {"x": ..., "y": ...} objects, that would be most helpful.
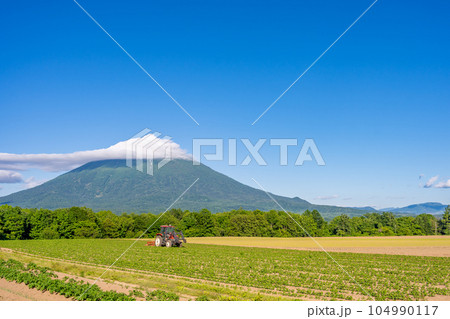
[
  {"x": 168, "y": 244},
  {"x": 158, "y": 241}
]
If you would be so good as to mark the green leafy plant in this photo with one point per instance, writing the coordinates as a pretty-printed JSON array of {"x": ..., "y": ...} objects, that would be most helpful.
[{"x": 160, "y": 295}]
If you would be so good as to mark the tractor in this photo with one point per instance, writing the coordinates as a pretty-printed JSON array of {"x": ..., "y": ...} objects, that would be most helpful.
[{"x": 169, "y": 237}]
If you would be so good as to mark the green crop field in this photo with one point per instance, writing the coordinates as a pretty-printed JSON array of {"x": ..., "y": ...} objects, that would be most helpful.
[{"x": 268, "y": 272}]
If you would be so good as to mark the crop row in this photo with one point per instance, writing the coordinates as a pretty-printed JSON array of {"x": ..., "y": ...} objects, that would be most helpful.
[{"x": 41, "y": 278}]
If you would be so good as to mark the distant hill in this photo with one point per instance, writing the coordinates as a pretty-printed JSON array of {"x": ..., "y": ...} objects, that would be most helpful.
[
  {"x": 366, "y": 208},
  {"x": 417, "y": 209},
  {"x": 111, "y": 185}
]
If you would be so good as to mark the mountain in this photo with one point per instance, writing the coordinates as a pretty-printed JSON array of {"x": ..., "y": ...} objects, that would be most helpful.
[
  {"x": 366, "y": 208},
  {"x": 417, "y": 209},
  {"x": 111, "y": 185}
]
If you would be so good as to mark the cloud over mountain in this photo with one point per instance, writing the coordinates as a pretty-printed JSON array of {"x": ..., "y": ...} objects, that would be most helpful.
[{"x": 68, "y": 161}]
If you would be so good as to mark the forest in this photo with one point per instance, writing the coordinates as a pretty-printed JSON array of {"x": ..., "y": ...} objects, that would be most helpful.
[{"x": 82, "y": 222}]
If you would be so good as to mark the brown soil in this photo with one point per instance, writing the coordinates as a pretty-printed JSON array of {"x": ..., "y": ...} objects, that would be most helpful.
[
  {"x": 438, "y": 298},
  {"x": 410, "y": 251},
  {"x": 14, "y": 291}
]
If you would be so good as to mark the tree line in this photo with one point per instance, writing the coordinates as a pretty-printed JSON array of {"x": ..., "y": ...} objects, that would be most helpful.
[{"x": 82, "y": 222}]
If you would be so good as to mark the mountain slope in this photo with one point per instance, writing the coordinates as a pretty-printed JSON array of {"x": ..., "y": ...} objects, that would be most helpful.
[
  {"x": 111, "y": 185},
  {"x": 422, "y": 208}
]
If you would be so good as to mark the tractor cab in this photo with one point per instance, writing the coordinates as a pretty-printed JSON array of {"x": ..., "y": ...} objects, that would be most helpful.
[{"x": 167, "y": 230}]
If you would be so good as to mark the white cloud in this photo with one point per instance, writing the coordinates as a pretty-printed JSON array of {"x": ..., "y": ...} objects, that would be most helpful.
[
  {"x": 445, "y": 184},
  {"x": 69, "y": 161},
  {"x": 7, "y": 176},
  {"x": 431, "y": 181},
  {"x": 326, "y": 197}
]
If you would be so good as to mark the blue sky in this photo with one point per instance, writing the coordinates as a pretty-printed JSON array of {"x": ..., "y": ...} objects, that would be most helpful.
[{"x": 376, "y": 104}]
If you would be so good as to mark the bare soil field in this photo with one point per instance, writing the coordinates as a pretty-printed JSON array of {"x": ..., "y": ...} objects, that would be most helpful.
[{"x": 437, "y": 246}]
